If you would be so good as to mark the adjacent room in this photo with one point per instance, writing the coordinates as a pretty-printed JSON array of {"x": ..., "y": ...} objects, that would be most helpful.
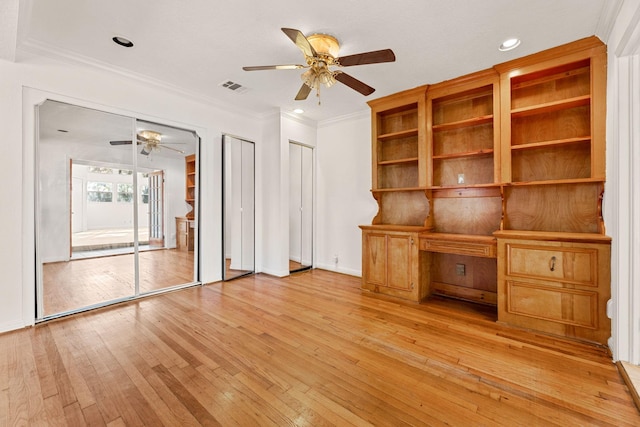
[
  {"x": 347, "y": 213},
  {"x": 115, "y": 219}
]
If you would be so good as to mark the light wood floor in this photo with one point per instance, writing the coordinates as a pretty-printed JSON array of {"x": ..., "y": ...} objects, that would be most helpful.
[
  {"x": 308, "y": 350},
  {"x": 80, "y": 283}
]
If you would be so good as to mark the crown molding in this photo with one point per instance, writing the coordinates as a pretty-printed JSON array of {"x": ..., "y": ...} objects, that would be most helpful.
[
  {"x": 358, "y": 115},
  {"x": 72, "y": 58}
]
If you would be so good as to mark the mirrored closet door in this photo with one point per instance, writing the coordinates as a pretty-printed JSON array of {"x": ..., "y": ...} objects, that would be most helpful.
[
  {"x": 238, "y": 190},
  {"x": 110, "y": 191},
  {"x": 300, "y": 207}
]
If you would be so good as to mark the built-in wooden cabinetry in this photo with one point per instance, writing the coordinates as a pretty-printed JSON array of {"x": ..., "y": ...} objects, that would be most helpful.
[
  {"x": 185, "y": 231},
  {"x": 500, "y": 175},
  {"x": 390, "y": 245},
  {"x": 463, "y": 150},
  {"x": 394, "y": 264},
  {"x": 554, "y": 259},
  {"x": 190, "y": 190}
]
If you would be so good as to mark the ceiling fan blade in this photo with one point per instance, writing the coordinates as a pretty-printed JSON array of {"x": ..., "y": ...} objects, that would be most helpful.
[
  {"x": 120, "y": 142},
  {"x": 301, "y": 41},
  {"x": 303, "y": 92},
  {"x": 354, "y": 83},
  {"x": 144, "y": 151},
  {"x": 274, "y": 67},
  {"x": 171, "y": 148},
  {"x": 374, "y": 57}
]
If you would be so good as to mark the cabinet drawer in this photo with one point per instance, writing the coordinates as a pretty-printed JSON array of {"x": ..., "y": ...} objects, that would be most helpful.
[
  {"x": 571, "y": 265},
  {"x": 568, "y": 306},
  {"x": 485, "y": 250}
]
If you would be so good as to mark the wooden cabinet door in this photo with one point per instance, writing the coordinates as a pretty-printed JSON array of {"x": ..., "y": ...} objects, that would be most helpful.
[
  {"x": 375, "y": 259},
  {"x": 399, "y": 259},
  {"x": 556, "y": 287}
]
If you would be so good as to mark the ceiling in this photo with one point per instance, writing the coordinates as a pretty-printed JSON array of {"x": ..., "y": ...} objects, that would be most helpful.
[
  {"x": 61, "y": 122},
  {"x": 198, "y": 45}
]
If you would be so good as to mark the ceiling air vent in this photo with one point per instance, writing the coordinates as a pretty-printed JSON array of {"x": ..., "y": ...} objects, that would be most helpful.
[{"x": 233, "y": 86}]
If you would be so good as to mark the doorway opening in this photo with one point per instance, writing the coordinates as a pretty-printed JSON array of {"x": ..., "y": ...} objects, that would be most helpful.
[{"x": 102, "y": 197}]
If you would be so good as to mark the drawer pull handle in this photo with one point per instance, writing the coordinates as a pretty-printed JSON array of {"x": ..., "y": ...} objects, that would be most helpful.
[{"x": 552, "y": 263}]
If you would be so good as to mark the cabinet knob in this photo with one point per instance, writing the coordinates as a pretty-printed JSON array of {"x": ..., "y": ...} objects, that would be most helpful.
[{"x": 552, "y": 263}]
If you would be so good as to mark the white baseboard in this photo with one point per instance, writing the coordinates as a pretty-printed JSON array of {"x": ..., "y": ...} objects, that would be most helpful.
[
  {"x": 12, "y": 326},
  {"x": 277, "y": 273},
  {"x": 332, "y": 267}
]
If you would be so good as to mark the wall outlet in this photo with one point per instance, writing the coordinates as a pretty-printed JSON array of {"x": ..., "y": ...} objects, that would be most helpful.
[
  {"x": 460, "y": 178},
  {"x": 460, "y": 269}
]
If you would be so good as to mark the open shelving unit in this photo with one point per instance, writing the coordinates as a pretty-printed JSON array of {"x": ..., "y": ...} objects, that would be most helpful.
[
  {"x": 190, "y": 191},
  {"x": 394, "y": 265},
  {"x": 499, "y": 176},
  {"x": 463, "y": 188},
  {"x": 554, "y": 258}
]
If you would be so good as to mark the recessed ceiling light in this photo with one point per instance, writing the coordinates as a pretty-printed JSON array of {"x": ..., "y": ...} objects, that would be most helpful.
[
  {"x": 298, "y": 111},
  {"x": 509, "y": 44},
  {"x": 122, "y": 41}
]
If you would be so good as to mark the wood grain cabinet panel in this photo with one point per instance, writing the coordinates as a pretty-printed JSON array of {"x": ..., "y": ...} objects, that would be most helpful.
[
  {"x": 567, "y": 265},
  {"x": 555, "y": 286},
  {"x": 375, "y": 258},
  {"x": 393, "y": 264},
  {"x": 553, "y": 304}
]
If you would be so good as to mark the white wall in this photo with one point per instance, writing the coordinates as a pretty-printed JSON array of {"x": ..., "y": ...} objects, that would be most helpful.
[
  {"x": 344, "y": 196},
  {"x": 278, "y": 130},
  {"x": 32, "y": 80},
  {"x": 622, "y": 192}
]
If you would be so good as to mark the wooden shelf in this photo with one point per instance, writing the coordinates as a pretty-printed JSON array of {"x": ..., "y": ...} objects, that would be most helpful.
[
  {"x": 464, "y": 186},
  {"x": 483, "y": 152},
  {"x": 552, "y": 236},
  {"x": 389, "y": 190},
  {"x": 474, "y": 121},
  {"x": 549, "y": 107},
  {"x": 561, "y": 74},
  {"x": 398, "y": 161},
  {"x": 190, "y": 187},
  {"x": 399, "y": 134},
  {"x": 554, "y": 182},
  {"x": 551, "y": 143},
  {"x": 395, "y": 227}
]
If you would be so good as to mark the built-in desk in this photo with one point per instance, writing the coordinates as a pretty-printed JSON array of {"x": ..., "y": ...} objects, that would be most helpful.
[{"x": 462, "y": 266}]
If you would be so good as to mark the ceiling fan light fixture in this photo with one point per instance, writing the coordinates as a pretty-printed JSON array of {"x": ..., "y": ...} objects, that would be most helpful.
[
  {"x": 152, "y": 135},
  {"x": 324, "y": 44}
]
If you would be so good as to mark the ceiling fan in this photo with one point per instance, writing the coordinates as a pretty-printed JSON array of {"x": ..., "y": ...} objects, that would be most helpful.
[
  {"x": 321, "y": 52},
  {"x": 151, "y": 140}
]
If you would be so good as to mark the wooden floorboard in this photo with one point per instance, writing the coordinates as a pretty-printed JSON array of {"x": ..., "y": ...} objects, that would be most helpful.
[
  {"x": 78, "y": 283},
  {"x": 308, "y": 350}
]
